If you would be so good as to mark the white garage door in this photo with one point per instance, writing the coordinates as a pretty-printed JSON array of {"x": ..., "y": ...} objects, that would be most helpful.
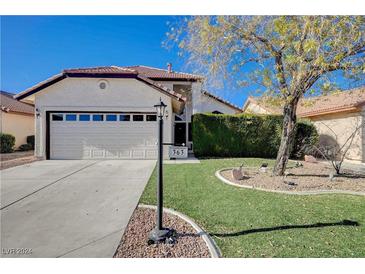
[{"x": 103, "y": 136}]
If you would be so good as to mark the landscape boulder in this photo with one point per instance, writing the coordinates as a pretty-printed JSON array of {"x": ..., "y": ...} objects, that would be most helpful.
[{"x": 310, "y": 159}]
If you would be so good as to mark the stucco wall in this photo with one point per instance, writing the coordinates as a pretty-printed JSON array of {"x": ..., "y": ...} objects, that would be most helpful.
[
  {"x": 199, "y": 102},
  {"x": 204, "y": 103},
  {"x": 255, "y": 109},
  {"x": 20, "y": 126},
  {"x": 84, "y": 94},
  {"x": 342, "y": 125}
]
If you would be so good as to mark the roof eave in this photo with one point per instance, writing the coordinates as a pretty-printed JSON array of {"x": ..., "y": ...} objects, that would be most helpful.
[
  {"x": 179, "y": 79},
  {"x": 63, "y": 75},
  {"x": 330, "y": 111},
  {"x": 42, "y": 85},
  {"x": 239, "y": 110}
]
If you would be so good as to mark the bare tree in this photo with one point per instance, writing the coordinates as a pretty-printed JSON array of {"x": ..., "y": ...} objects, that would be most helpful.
[
  {"x": 334, "y": 153},
  {"x": 285, "y": 55}
]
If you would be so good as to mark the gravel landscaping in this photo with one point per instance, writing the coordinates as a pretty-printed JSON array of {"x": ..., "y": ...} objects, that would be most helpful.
[
  {"x": 309, "y": 177},
  {"x": 134, "y": 241}
]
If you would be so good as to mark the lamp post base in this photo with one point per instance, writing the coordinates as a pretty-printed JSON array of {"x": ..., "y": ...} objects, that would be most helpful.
[{"x": 165, "y": 235}]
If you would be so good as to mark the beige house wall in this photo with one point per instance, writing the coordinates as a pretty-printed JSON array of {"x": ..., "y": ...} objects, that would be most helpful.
[
  {"x": 84, "y": 94},
  {"x": 339, "y": 127},
  {"x": 256, "y": 109},
  {"x": 19, "y": 125}
]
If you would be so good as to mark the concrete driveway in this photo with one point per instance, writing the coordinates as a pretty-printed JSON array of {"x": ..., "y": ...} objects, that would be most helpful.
[{"x": 69, "y": 208}]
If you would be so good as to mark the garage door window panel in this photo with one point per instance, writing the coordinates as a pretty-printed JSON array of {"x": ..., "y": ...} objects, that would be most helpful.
[
  {"x": 111, "y": 117},
  {"x": 138, "y": 118},
  {"x": 98, "y": 117},
  {"x": 84, "y": 117},
  {"x": 71, "y": 117},
  {"x": 124, "y": 117},
  {"x": 151, "y": 118},
  {"x": 57, "y": 117}
]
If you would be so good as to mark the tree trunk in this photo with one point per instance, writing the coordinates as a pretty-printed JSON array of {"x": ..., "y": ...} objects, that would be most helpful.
[{"x": 287, "y": 136}]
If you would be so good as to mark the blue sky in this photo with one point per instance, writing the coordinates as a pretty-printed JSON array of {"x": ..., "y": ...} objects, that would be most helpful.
[{"x": 34, "y": 48}]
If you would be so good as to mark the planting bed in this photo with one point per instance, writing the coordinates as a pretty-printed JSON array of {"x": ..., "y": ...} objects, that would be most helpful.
[
  {"x": 309, "y": 177},
  {"x": 134, "y": 241}
]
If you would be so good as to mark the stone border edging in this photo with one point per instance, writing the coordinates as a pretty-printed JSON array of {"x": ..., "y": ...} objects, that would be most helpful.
[
  {"x": 318, "y": 192},
  {"x": 212, "y": 246}
]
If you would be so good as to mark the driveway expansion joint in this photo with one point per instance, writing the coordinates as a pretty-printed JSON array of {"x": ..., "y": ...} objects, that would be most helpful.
[{"x": 48, "y": 185}]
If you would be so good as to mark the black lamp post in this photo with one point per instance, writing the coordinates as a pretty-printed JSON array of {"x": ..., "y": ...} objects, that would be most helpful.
[{"x": 159, "y": 233}]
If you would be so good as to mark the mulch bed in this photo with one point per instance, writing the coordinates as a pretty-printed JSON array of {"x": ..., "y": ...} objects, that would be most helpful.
[
  {"x": 134, "y": 241},
  {"x": 309, "y": 177}
]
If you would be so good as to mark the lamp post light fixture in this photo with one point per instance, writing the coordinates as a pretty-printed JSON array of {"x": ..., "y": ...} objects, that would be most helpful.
[{"x": 160, "y": 234}]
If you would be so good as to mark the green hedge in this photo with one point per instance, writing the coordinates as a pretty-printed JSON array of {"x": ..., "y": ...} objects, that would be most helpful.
[
  {"x": 244, "y": 135},
  {"x": 7, "y": 142}
]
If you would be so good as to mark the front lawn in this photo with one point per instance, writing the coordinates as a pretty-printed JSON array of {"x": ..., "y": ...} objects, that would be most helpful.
[{"x": 251, "y": 223}]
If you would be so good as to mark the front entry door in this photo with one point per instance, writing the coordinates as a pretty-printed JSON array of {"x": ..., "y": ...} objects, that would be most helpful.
[{"x": 180, "y": 134}]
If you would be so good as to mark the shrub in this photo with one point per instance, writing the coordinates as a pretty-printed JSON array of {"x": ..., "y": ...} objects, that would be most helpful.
[
  {"x": 305, "y": 135},
  {"x": 242, "y": 135},
  {"x": 7, "y": 142},
  {"x": 25, "y": 147},
  {"x": 30, "y": 141}
]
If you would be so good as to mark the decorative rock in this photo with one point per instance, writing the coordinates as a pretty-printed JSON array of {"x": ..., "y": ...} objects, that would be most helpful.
[
  {"x": 263, "y": 169},
  {"x": 290, "y": 183},
  {"x": 237, "y": 174},
  {"x": 310, "y": 159},
  {"x": 331, "y": 176}
]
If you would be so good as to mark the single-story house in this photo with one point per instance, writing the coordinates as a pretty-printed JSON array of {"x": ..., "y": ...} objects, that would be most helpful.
[
  {"x": 17, "y": 118},
  {"x": 335, "y": 116},
  {"x": 108, "y": 112}
]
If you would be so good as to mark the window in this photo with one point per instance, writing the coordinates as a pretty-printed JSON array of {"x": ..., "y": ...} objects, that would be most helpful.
[
  {"x": 57, "y": 117},
  {"x": 124, "y": 117},
  {"x": 217, "y": 112},
  {"x": 98, "y": 117},
  {"x": 71, "y": 117},
  {"x": 84, "y": 117},
  {"x": 103, "y": 84},
  {"x": 151, "y": 118},
  {"x": 138, "y": 118},
  {"x": 111, "y": 117},
  {"x": 178, "y": 118},
  {"x": 190, "y": 133}
]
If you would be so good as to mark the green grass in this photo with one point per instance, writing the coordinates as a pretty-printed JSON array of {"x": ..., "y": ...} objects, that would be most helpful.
[{"x": 222, "y": 209}]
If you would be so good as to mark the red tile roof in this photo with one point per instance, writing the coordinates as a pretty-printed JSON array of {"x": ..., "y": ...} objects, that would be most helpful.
[
  {"x": 149, "y": 72},
  {"x": 9, "y": 104},
  {"x": 101, "y": 70},
  {"x": 112, "y": 71},
  {"x": 342, "y": 101},
  {"x": 162, "y": 74},
  {"x": 307, "y": 107}
]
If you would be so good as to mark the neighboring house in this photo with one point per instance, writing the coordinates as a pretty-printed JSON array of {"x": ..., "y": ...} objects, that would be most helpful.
[
  {"x": 17, "y": 118},
  {"x": 107, "y": 112},
  {"x": 335, "y": 116}
]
